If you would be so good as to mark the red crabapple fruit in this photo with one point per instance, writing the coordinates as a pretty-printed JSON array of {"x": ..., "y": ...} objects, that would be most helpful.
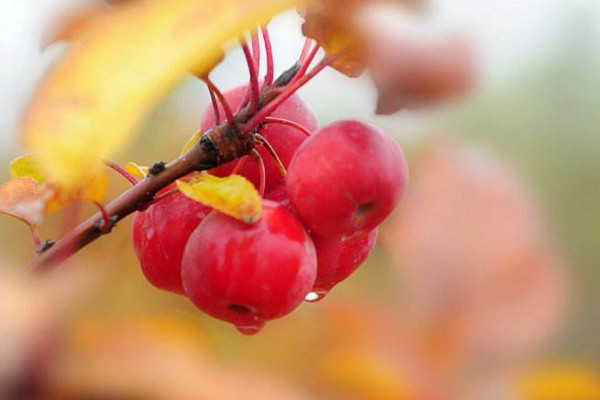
[
  {"x": 159, "y": 237},
  {"x": 337, "y": 259},
  {"x": 284, "y": 139},
  {"x": 346, "y": 179},
  {"x": 249, "y": 274}
]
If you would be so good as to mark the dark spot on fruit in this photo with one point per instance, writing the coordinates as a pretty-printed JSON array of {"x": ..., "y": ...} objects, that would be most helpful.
[
  {"x": 237, "y": 308},
  {"x": 364, "y": 210}
]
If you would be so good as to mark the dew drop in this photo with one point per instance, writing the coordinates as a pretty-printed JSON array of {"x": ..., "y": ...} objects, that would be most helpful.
[
  {"x": 249, "y": 330},
  {"x": 316, "y": 296}
]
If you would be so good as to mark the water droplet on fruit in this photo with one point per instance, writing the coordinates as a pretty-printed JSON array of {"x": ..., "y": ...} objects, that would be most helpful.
[
  {"x": 250, "y": 329},
  {"x": 315, "y": 296}
]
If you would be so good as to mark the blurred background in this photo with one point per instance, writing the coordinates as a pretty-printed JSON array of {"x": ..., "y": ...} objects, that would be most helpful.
[{"x": 484, "y": 284}]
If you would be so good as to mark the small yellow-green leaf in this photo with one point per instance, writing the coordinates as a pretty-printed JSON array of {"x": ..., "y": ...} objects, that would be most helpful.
[
  {"x": 27, "y": 166},
  {"x": 191, "y": 142},
  {"x": 233, "y": 195},
  {"x": 119, "y": 65},
  {"x": 137, "y": 171}
]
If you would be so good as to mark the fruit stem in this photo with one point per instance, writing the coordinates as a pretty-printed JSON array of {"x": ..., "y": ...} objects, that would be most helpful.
[
  {"x": 217, "y": 92},
  {"x": 35, "y": 234},
  {"x": 116, "y": 167},
  {"x": 255, "y": 91},
  {"x": 306, "y": 63},
  {"x": 213, "y": 100},
  {"x": 263, "y": 141},
  {"x": 283, "y": 121},
  {"x": 286, "y": 93},
  {"x": 239, "y": 165},
  {"x": 269, "y": 54},
  {"x": 203, "y": 156},
  {"x": 214, "y": 148},
  {"x": 261, "y": 170},
  {"x": 305, "y": 48},
  {"x": 256, "y": 51},
  {"x": 106, "y": 225}
]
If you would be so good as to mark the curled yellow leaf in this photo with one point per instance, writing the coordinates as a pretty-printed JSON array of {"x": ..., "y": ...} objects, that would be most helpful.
[
  {"x": 120, "y": 64},
  {"x": 191, "y": 142},
  {"x": 27, "y": 165},
  {"x": 233, "y": 195},
  {"x": 137, "y": 171}
]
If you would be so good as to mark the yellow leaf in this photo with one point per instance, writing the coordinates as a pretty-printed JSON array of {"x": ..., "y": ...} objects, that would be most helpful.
[
  {"x": 191, "y": 142},
  {"x": 120, "y": 64},
  {"x": 137, "y": 171},
  {"x": 233, "y": 195},
  {"x": 27, "y": 165},
  {"x": 21, "y": 198},
  {"x": 54, "y": 199}
]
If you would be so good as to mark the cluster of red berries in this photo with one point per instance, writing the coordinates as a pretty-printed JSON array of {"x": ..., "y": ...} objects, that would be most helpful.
[{"x": 318, "y": 224}]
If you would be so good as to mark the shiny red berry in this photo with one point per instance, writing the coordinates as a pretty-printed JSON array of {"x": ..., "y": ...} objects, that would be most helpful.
[
  {"x": 337, "y": 259},
  {"x": 249, "y": 274},
  {"x": 159, "y": 237},
  {"x": 346, "y": 179}
]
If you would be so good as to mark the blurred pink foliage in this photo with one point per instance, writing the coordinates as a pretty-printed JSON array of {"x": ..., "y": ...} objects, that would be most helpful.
[{"x": 470, "y": 246}]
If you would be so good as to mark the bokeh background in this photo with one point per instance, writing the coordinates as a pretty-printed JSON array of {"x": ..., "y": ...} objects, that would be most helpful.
[{"x": 484, "y": 284}]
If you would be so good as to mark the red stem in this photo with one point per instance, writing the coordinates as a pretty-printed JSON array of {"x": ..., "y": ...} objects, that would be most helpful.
[
  {"x": 256, "y": 51},
  {"x": 239, "y": 165},
  {"x": 269, "y": 53},
  {"x": 213, "y": 100},
  {"x": 116, "y": 167},
  {"x": 282, "y": 121},
  {"x": 217, "y": 92},
  {"x": 35, "y": 234},
  {"x": 265, "y": 143},
  {"x": 261, "y": 169},
  {"x": 286, "y": 93},
  {"x": 106, "y": 220},
  {"x": 306, "y": 63},
  {"x": 255, "y": 91},
  {"x": 305, "y": 49}
]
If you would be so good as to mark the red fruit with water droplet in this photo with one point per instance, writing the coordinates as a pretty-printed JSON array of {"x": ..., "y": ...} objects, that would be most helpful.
[
  {"x": 337, "y": 259},
  {"x": 249, "y": 274},
  {"x": 346, "y": 179},
  {"x": 159, "y": 237},
  {"x": 284, "y": 139}
]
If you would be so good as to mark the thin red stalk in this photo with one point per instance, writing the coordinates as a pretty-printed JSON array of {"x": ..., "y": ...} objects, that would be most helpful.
[
  {"x": 261, "y": 169},
  {"x": 255, "y": 91},
  {"x": 273, "y": 154},
  {"x": 116, "y": 167},
  {"x": 106, "y": 220},
  {"x": 213, "y": 100},
  {"x": 269, "y": 54},
  {"x": 224, "y": 103},
  {"x": 286, "y": 93},
  {"x": 35, "y": 234},
  {"x": 256, "y": 51},
  {"x": 239, "y": 165},
  {"x": 282, "y": 121},
  {"x": 306, "y": 63},
  {"x": 305, "y": 49}
]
